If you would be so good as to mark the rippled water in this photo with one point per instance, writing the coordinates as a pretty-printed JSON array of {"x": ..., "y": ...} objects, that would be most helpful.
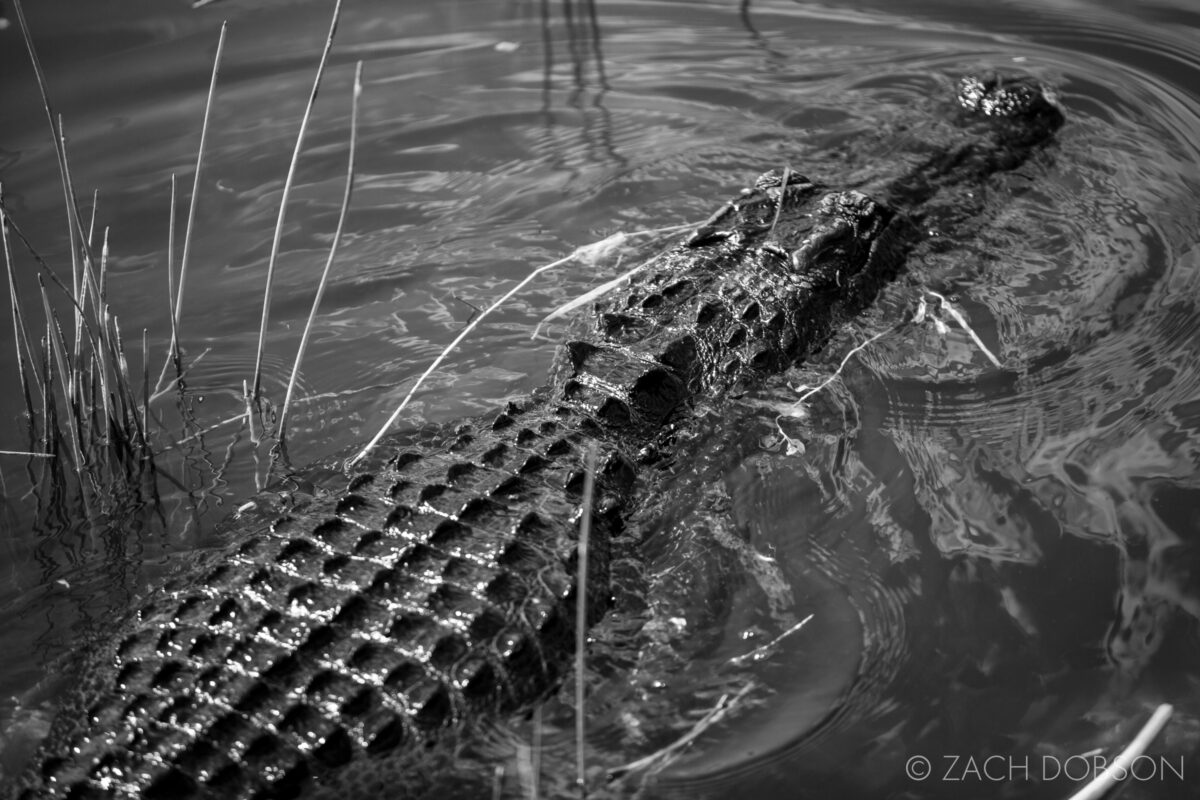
[{"x": 996, "y": 561}]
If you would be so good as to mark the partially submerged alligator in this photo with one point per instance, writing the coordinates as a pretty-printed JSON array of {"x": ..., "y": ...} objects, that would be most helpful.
[{"x": 328, "y": 647}]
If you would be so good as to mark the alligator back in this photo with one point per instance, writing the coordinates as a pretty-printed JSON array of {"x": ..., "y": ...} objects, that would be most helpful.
[{"x": 335, "y": 643}]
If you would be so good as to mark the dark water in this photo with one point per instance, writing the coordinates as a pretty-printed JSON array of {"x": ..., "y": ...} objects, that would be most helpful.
[{"x": 998, "y": 563}]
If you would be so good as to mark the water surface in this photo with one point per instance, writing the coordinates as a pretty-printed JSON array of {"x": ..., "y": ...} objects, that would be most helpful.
[{"x": 997, "y": 561}]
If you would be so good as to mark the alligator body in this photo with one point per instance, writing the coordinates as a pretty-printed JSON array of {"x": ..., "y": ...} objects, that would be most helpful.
[{"x": 328, "y": 647}]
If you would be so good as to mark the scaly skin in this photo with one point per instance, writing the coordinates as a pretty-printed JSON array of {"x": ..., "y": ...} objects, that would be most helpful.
[{"x": 329, "y": 648}]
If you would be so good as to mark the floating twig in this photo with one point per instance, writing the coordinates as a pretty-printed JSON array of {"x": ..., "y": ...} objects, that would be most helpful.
[
  {"x": 590, "y": 253},
  {"x": 758, "y": 652},
  {"x": 962, "y": 323},
  {"x": 794, "y": 446},
  {"x": 583, "y": 252},
  {"x": 463, "y": 334},
  {"x": 714, "y": 715},
  {"x": 1119, "y": 769}
]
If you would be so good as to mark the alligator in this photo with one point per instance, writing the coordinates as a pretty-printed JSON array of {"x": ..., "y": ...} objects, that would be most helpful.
[{"x": 330, "y": 644}]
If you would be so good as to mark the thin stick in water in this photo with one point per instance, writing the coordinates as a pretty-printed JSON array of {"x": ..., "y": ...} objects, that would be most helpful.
[
  {"x": 146, "y": 386},
  {"x": 54, "y": 337},
  {"x": 783, "y": 184},
  {"x": 463, "y": 334},
  {"x": 962, "y": 323},
  {"x": 333, "y": 248},
  {"x": 249, "y": 413},
  {"x": 582, "y": 251},
  {"x": 91, "y": 231},
  {"x": 1118, "y": 770},
  {"x": 714, "y": 715},
  {"x": 187, "y": 231},
  {"x": 20, "y": 335},
  {"x": 287, "y": 190},
  {"x": 761, "y": 650},
  {"x": 581, "y": 575},
  {"x": 794, "y": 445},
  {"x": 58, "y": 150},
  {"x": 604, "y": 288},
  {"x": 535, "y": 756},
  {"x": 172, "y": 310}
]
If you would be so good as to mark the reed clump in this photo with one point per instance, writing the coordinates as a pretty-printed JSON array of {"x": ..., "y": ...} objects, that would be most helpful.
[{"x": 95, "y": 428}]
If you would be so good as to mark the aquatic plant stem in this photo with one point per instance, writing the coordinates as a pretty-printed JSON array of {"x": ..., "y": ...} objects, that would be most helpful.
[
  {"x": 783, "y": 185},
  {"x": 20, "y": 335},
  {"x": 256, "y": 383},
  {"x": 177, "y": 302},
  {"x": 463, "y": 334},
  {"x": 60, "y": 155},
  {"x": 581, "y": 575},
  {"x": 83, "y": 279},
  {"x": 91, "y": 231},
  {"x": 333, "y": 248},
  {"x": 55, "y": 340},
  {"x": 171, "y": 305},
  {"x": 146, "y": 383},
  {"x": 586, "y": 251}
]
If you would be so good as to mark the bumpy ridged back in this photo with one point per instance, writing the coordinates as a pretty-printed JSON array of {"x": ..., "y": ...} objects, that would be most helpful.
[
  {"x": 331, "y": 644},
  {"x": 378, "y": 618}
]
